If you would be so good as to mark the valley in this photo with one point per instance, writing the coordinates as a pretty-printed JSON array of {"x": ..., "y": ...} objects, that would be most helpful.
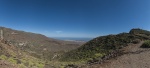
[{"x": 19, "y": 49}]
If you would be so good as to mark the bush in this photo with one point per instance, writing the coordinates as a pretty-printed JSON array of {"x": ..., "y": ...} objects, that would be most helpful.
[
  {"x": 3, "y": 57},
  {"x": 146, "y": 44},
  {"x": 12, "y": 60}
]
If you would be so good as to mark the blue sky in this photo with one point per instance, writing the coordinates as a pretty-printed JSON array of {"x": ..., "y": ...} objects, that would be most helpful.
[{"x": 75, "y": 18}]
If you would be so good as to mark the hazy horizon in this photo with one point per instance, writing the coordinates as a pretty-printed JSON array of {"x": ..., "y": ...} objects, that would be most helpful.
[{"x": 84, "y": 39}]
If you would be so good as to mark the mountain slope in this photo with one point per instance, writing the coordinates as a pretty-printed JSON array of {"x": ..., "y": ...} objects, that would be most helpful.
[
  {"x": 100, "y": 47},
  {"x": 37, "y": 45},
  {"x": 21, "y": 38},
  {"x": 134, "y": 57},
  {"x": 13, "y": 57}
]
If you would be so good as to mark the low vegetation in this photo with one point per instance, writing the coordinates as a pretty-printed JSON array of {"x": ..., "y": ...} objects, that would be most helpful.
[
  {"x": 24, "y": 62},
  {"x": 15, "y": 56},
  {"x": 146, "y": 44},
  {"x": 25, "y": 52},
  {"x": 104, "y": 45},
  {"x": 31, "y": 50}
]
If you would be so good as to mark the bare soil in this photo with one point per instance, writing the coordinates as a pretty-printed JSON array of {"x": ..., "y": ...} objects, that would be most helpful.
[{"x": 5, "y": 64}]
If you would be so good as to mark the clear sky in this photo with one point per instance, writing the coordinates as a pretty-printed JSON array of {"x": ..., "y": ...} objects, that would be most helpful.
[{"x": 75, "y": 18}]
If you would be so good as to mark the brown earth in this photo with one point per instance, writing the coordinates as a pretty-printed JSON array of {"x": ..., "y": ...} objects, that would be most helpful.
[
  {"x": 134, "y": 57},
  {"x": 5, "y": 64}
]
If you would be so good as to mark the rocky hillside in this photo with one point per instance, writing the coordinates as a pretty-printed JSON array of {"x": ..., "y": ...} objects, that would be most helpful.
[
  {"x": 27, "y": 39},
  {"x": 134, "y": 57},
  {"x": 19, "y": 49},
  {"x": 13, "y": 57},
  {"x": 37, "y": 45},
  {"x": 105, "y": 47}
]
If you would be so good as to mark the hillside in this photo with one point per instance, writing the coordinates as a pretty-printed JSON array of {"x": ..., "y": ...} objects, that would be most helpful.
[
  {"x": 134, "y": 57},
  {"x": 21, "y": 38},
  {"x": 19, "y": 49},
  {"x": 13, "y": 57},
  {"x": 37, "y": 45},
  {"x": 105, "y": 47}
]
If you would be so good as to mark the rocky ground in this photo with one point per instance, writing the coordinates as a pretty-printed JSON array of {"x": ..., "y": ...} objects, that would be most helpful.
[{"x": 5, "y": 64}]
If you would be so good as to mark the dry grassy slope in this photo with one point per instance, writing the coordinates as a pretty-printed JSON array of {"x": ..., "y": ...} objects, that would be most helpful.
[
  {"x": 37, "y": 42},
  {"x": 101, "y": 49},
  {"x": 135, "y": 57},
  {"x": 8, "y": 51},
  {"x": 13, "y": 57},
  {"x": 102, "y": 46}
]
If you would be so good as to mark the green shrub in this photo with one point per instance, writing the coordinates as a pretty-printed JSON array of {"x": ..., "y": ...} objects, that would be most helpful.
[
  {"x": 146, "y": 44},
  {"x": 3, "y": 57},
  {"x": 22, "y": 66},
  {"x": 12, "y": 60},
  {"x": 40, "y": 65}
]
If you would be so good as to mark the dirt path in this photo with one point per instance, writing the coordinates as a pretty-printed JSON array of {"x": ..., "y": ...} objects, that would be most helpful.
[{"x": 135, "y": 57}]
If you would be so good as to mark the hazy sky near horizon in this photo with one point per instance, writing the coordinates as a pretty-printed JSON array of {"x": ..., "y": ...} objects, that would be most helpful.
[{"x": 75, "y": 18}]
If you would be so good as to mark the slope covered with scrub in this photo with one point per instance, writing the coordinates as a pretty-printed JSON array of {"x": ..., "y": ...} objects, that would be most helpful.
[
  {"x": 37, "y": 45},
  {"x": 12, "y": 57},
  {"x": 134, "y": 57},
  {"x": 19, "y": 49},
  {"x": 102, "y": 46}
]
